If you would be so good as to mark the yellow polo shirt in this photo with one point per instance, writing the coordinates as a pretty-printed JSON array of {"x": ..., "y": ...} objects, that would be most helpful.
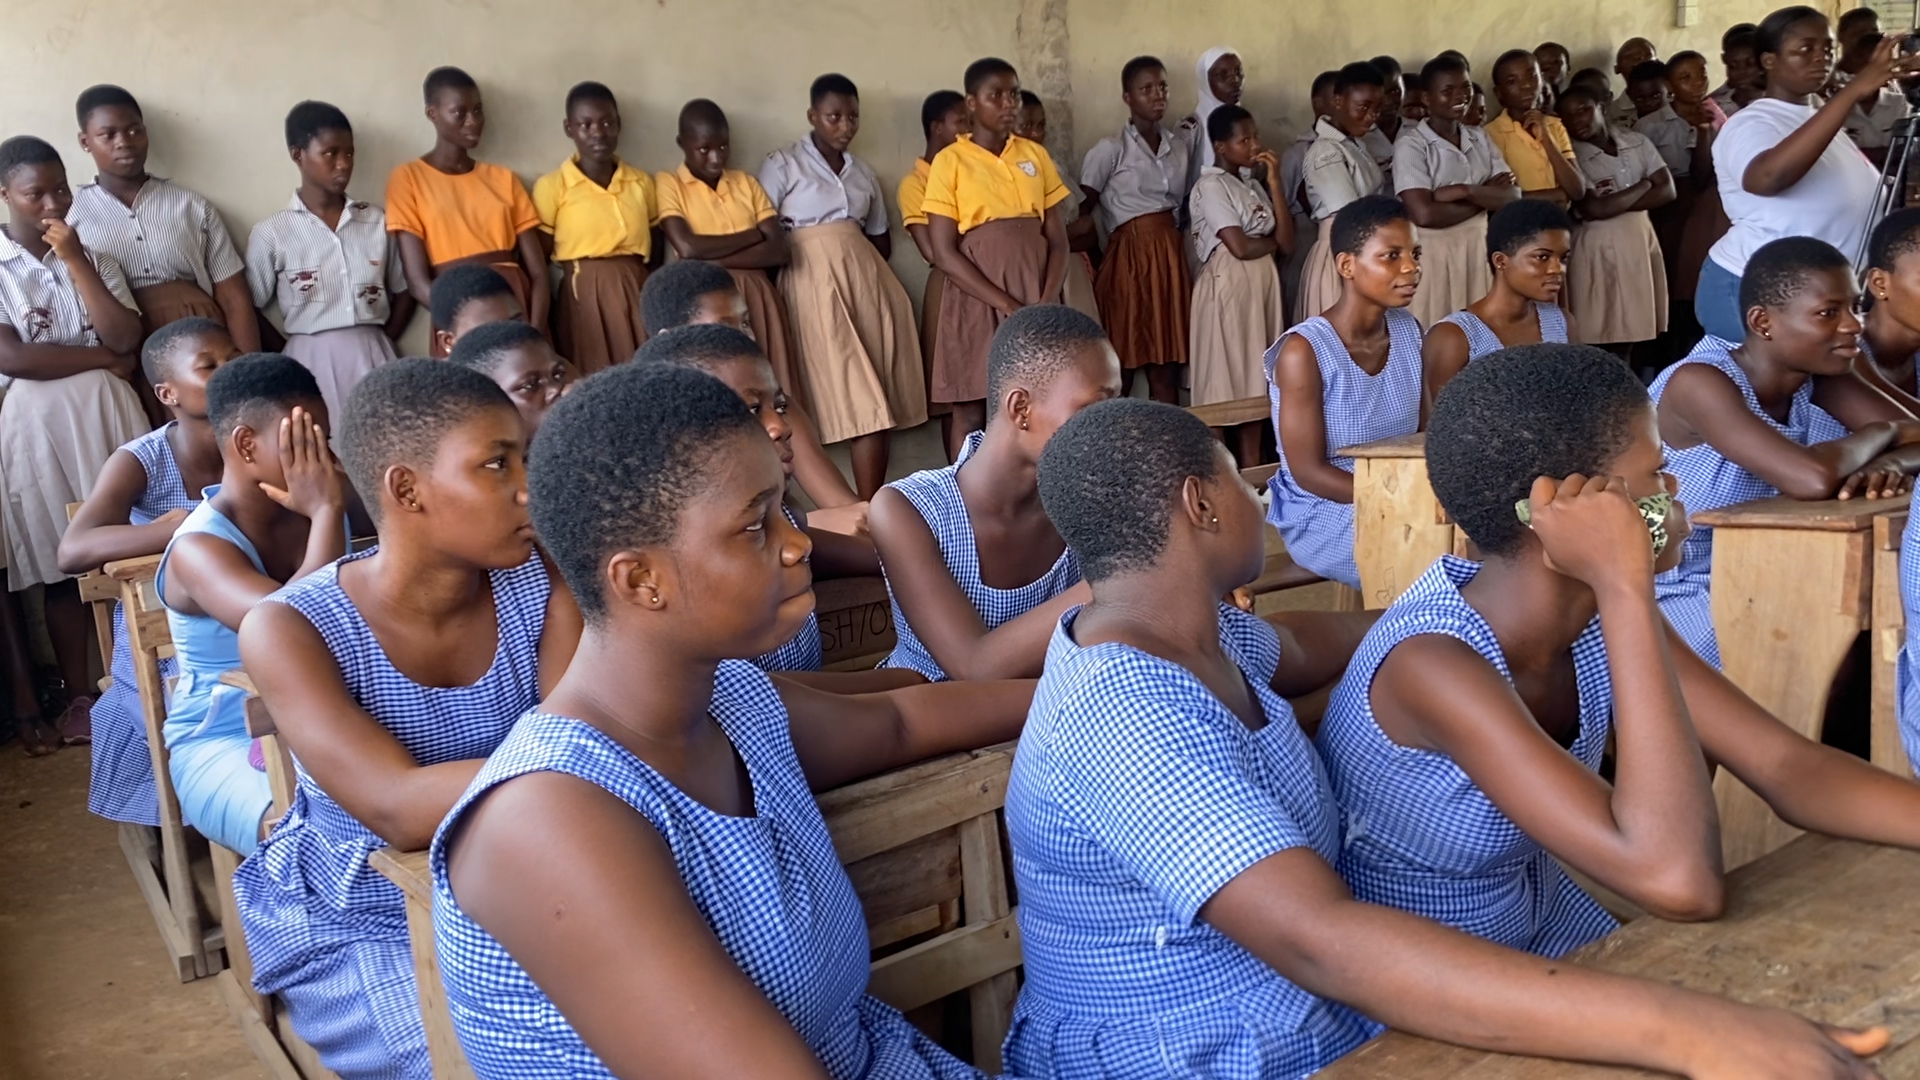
[
  {"x": 913, "y": 192},
  {"x": 738, "y": 204},
  {"x": 588, "y": 221},
  {"x": 1524, "y": 154},
  {"x": 973, "y": 187}
]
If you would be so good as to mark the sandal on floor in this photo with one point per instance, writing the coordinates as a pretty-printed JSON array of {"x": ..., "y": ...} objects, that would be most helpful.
[
  {"x": 38, "y": 738},
  {"x": 76, "y": 723}
]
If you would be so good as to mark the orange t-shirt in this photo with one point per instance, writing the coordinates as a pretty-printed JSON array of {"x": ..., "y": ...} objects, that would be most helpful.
[{"x": 459, "y": 216}]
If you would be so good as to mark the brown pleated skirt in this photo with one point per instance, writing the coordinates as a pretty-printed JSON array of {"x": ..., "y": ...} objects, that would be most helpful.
[
  {"x": 597, "y": 317},
  {"x": 1237, "y": 314},
  {"x": 1076, "y": 289},
  {"x": 1617, "y": 281},
  {"x": 930, "y": 298},
  {"x": 1144, "y": 288},
  {"x": 1453, "y": 269},
  {"x": 1011, "y": 253},
  {"x": 517, "y": 280},
  {"x": 853, "y": 333},
  {"x": 171, "y": 301},
  {"x": 767, "y": 317},
  {"x": 1319, "y": 281}
]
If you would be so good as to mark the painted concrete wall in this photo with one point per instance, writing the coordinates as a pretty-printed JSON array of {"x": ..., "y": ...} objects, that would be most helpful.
[{"x": 217, "y": 76}]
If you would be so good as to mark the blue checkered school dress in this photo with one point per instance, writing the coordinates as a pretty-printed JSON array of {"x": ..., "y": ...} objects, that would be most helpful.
[
  {"x": 770, "y": 886},
  {"x": 802, "y": 653},
  {"x": 326, "y": 931},
  {"x": 1709, "y": 481},
  {"x": 1135, "y": 797},
  {"x": 935, "y": 493},
  {"x": 1420, "y": 835},
  {"x": 1360, "y": 408},
  {"x": 1909, "y": 686},
  {"x": 1481, "y": 339},
  {"x": 121, "y": 786}
]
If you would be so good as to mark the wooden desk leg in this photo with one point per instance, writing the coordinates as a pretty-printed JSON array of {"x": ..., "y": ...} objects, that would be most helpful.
[
  {"x": 983, "y": 876},
  {"x": 1398, "y": 527},
  {"x": 1889, "y": 636},
  {"x": 443, "y": 1046},
  {"x": 1787, "y": 606}
]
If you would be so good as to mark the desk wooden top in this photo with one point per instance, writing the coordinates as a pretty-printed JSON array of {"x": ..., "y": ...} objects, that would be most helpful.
[
  {"x": 407, "y": 869},
  {"x": 1400, "y": 446},
  {"x": 1829, "y": 515},
  {"x": 1223, "y": 414},
  {"x": 137, "y": 569},
  {"x": 1827, "y": 928}
]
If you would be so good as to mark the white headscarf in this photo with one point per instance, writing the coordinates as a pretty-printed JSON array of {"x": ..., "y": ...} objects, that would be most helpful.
[{"x": 1208, "y": 102}]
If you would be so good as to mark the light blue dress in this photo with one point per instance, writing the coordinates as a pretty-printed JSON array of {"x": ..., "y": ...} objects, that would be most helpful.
[
  {"x": 935, "y": 493},
  {"x": 1481, "y": 340},
  {"x": 769, "y": 885},
  {"x": 327, "y": 932},
  {"x": 1420, "y": 835},
  {"x": 120, "y": 787},
  {"x": 1136, "y": 796},
  {"x": 1709, "y": 481},
  {"x": 221, "y": 794},
  {"x": 1359, "y": 408}
]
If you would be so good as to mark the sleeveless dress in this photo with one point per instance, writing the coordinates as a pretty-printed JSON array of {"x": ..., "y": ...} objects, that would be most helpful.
[
  {"x": 326, "y": 931},
  {"x": 802, "y": 653},
  {"x": 1359, "y": 408},
  {"x": 121, "y": 785},
  {"x": 1708, "y": 481},
  {"x": 1135, "y": 797},
  {"x": 1420, "y": 835},
  {"x": 935, "y": 493},
  {"x": 1909, "y": 687},
  {"x": 769, "y": 885},
  {"x": 206, "y": 731},
  {"x": 1481, "y": 339}
]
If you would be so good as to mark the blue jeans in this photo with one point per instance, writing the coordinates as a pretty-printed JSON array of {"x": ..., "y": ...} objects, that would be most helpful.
[{"x": 1716, "y": 303}]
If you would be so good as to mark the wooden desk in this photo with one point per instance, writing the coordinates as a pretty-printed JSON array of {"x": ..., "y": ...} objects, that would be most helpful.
[
  {"x": 1398, "y": 526},
  {"x": 1792, "y": 590},
  {"x": 408, "y": 870},
  {"x": 1796, "y": 935},
  {"x": 1889, "y": 637}
]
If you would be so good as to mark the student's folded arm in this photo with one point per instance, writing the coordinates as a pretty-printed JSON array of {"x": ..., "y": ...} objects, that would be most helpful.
[
  {"x": 1430, "y": 213},
  {"x": 1316, "y": 646},
  {"x": 1566, "y": 173},
  {"x": 348, "y": 753},
  {"x": 1303, "y": 424},
  {"x": 1246, "y": 248},
  {"x": 692, "y": 245},
  {"x": 1706, "y": 404},
  {"x": 941, "y": 615},
  {"x": 923, "y": 240},
  {"x": 837, "y": 555},
  {"x": 841, "y": 739},
  {"x": 960, "y": 270},
  {"x": 1491, "y": 198},
  {"x": 1443, "y": 355},
  {"x": 766, "y": 252},
  {"x": 1652, "y": 837},
  {"x": 1811, "y": 786},
  {"x": 1660, "y": 191},
  {"x": 419, "y": 268},
  {"x": 100, "y": 532},
  {"x": 21, "y": 360},
  {"x": 1595, "y": 207},
  {"x": 583, "y": 893}
]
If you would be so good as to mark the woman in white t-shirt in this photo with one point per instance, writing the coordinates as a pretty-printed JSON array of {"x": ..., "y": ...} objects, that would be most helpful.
[{"x": 1786, "y": 168}]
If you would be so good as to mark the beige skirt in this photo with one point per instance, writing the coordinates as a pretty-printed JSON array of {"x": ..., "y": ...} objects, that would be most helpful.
[
  {"x": 1076, "y": 290},
  {"x": 1453, "y": 270},
  {"x": 767, "y": 321},
  {"x": 1319, "y": 281},
  {"x": 858, "y": 350},
  {"x": 1617, "y": 281},
  {"x": 1296, "y": 264},
  {"x": 55, "y": 437},
  {"x": 339, "y": 359},
  {"x": 1237, "y": 313}
]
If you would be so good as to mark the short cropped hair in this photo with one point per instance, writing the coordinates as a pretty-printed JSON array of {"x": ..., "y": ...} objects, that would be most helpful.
[
  {"x": 459, "y": 286},
  {"x": 241, "y": 391},
  {"x": 1856, "y": 16},
  {"x": 1512, "y": 56},
  {"x": 1442, "y": 65},
  {"x": 983, "y": 69},
  {"x": 590, "y": 91},
  {"x": 1358, "y": 73},
  {"x": 1220, "y": 125},
  {"x": 1738, "y": 35},
  {"x": 1323, "y": 83},
  {"x": 1109, "y": 477},
  {"x": 1034, "y": 345},
  {"x": 1772, "y": 31},
  {"x": 1031, "y": 100},
  {"x": 157, "y": 356},
  {"x": 1356, "y": 222},
  {"x": 103, "y": 96},
  {"x": 1554, "y": 46},
  {"x": 1578, "y": 92},
  {"x": 1388, "y": 67},
  {"x": 831, "y": 84},
  {"x": 703, "y": 113},
  {"x": 1896, "y": 237},
  {"x": 398, "y": 414},
  {"x": 672, "y": 293},
  {"x": 1648, "y": 71},
  {"x": 935, "y": 109},
  {"x": 1137, "y": 65},
  {"x": 22, "y": 151},
  {"x": 1682, "y": 57},
  {"x": 486, "y": 347},
  {"x": 703, "y": 347},
  {"x": 617, "y": 461},
  {"x": 446, "y": 78},
  {"x": 1779, "y": 270},
  {"x": 308, "y": 119},
  {"x": 1511, "y": 226},
  {"x": 1519, "y": 414}
]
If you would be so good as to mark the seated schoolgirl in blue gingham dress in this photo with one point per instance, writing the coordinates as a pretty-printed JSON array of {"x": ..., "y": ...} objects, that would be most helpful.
[
  {"x": 1420, "y": 835},
  {"x": 770, "y": 885},
  {"x": 802, "y": 653},
  {"x": 121, "y": 787},
  {"x": 1136, "y": 795},
  {"x": 1359, "y": 408},
  {"x": 326, "y": 931},
  {"x": 1909, "y": 687},
  {"x": 935, "y": 493},
  {"x": 1481, "y": 339},
  {"x": 1708, "y": 481}
]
